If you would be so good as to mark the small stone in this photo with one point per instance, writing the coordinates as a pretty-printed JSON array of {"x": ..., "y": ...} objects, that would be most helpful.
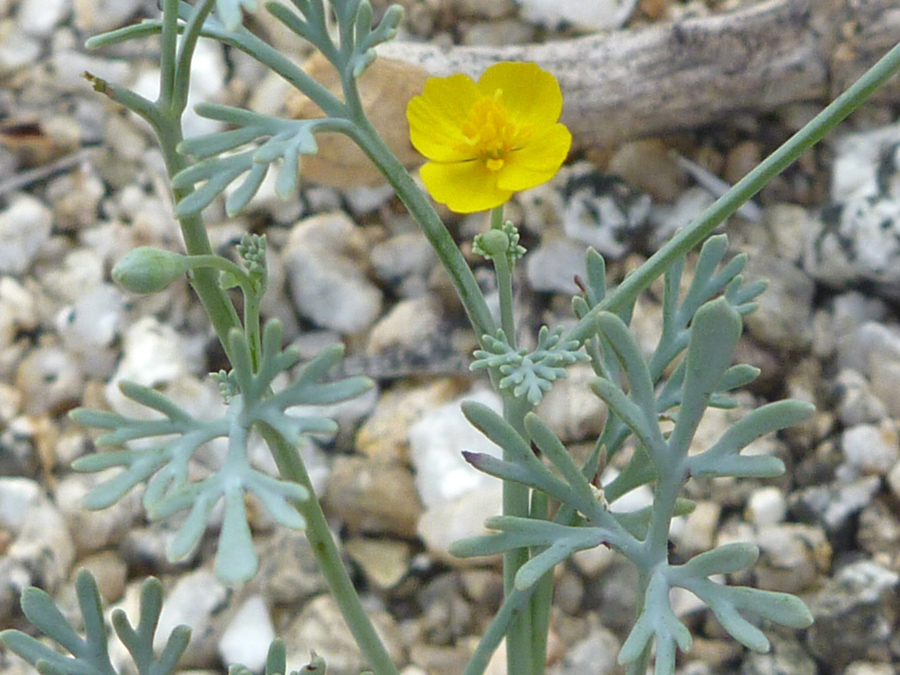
[
  {"x": 439, "y": 660},
  {"x": 17, "y": 497},
  {"x": 404, "y": 261},
  {"x": 384, "y": 436},
  {"x": 647, "y": 165},
  {"x": 855, "y": 616},
  {"x": 17, "y": 49},
  {"x": 571, "y": 409},
  {"x": 153, "y": 355},
  {"x": 10, "y": 404},
  {"x": 786, "y": 656},
  {"x": 90, "y": 325},
  {"x": 49, "y": 379},
  {"x": 584, "y": 15},
  {"x": 871, "y": 449},
  {"x": 667, "y": 219},
  {"x": 869, "y": 668},
  {"x": 477, "y": 9},
  {"x": 327, "y": 276},
  {"x": 25, "y": 226},
  {"x": 784, "y": 318},
  {"x": 596, "y": 654},
  {"x": 41, "y": 555},
  {"x": 320, "y": 626},
  {"x": 835, "y": 505},
  {"x": 373, "y": 498},
  {"x": 792, "y": 557},
  {"x": 552, "y": 266},
  {"x": 604, "y": 212},
  {"x": 700, "y": 528},
  {"x": 98, "y": 16},
  {"x": 288, "y": 571},
  {"x": 41, "y": 17},
  {"x": 856, "y": 402},
  {"x": 766, "y": 506},
  {"x": 879, "y": 532},
  {"x": 109, "y": 571},
  {"x": 194, "y": 601},
  {"x": 95, "y": 530},
  {"x": 384, "y": 562},
  {"x": 592, "y": 561},
  {"x": 247, "y": 636},
  {"x": 893, "y": 480},
  {"x": 868, "y": 345},
  {"x": 147, "y": 547},
  {"x": 568, "y": 592},
  {"x": 436, "y": 444},
  {"x": 461, "y": 518},
  {"x": 788, "y": 227},
  {"x": 742, "y": 159},
  {"x": 446, "y": 615},
  {"x": 405, "y": 326},
  {"x": 75, "y": 197}
]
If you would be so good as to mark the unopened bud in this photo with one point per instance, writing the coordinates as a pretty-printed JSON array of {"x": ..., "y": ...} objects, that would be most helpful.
[{"x": 149, "y": 270}]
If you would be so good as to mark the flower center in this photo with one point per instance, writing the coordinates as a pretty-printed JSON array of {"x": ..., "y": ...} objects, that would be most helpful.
[{"x": 490, "y": 135}]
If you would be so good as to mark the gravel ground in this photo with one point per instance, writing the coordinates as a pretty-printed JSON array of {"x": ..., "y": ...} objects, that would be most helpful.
[{"x": 81, "y": 183}]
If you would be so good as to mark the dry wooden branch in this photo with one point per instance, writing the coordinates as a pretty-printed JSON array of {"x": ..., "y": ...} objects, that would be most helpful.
[{"x": 665, "y": 78}]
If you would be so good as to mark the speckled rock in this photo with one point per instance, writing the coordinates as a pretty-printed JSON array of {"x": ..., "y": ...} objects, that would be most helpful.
[
  {"x": 373, "y": 497},
  {"x": 320, "y": 626},
  {"x": 855, "y": 615},
  {"x": 871, "y": 448},
  {"x": 24, "y": 227},
  {"x": 41, "y": 555},
  {"x": 792, "y": 557},
  {"x": 586, "y": 15},
  {"x": 322, "y": 260}
]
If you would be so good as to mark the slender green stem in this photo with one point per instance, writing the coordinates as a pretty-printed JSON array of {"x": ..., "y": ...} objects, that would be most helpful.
[
  {"x": 167, "y": 118},
  {"x": 542, "y": 598},
  {"x": 503, "y": 271},
  {"x": 514, "y": 605},
  {"x": 223, "y": 265},
  {"x": 291, "y": 467},
  {"x": 520, "y": 658},
  {"x": 168, "y": 52},
  {"x": 752, "y": 183},
  {"x": 432, "y": 226},
  {"x": 185, "y": 55},
  {"x": 253, "y": 46}
]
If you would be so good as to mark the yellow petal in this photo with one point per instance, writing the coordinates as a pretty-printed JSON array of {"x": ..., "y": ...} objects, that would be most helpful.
[
  {"x": 538, "y": 161},
  {"x": 530, "y": 94},
  {"x": 437, "y": 116},
  {"x": 464, "y": 187}
]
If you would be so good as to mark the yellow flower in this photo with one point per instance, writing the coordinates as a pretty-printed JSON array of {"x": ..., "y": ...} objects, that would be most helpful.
[{"x": 488, "y": 139}]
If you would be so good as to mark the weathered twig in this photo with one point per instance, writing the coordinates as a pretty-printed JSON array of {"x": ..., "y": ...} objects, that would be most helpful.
[
  {"x": 667, "y": 77},
  {"x": 643, "y": 82}
]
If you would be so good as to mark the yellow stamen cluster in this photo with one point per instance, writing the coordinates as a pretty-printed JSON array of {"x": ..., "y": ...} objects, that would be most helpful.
[{"x": 490, "y": 135}]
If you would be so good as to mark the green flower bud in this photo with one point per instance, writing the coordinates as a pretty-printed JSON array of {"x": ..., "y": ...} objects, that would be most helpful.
[{"x": 149, "y": 270}]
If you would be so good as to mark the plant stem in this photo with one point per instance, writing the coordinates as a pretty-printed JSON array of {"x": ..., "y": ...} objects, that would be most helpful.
[
  {"x": 431, "y": 225},
  {"x": 727, "y": 204},
  {"x": 503, "y": 271},
  {"x": 291, "y": 467}
]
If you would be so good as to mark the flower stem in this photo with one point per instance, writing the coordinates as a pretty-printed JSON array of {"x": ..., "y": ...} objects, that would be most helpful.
[
  {"x": 431, "y": 225},
  {"x": 752, "y": 183},
  {"x": 503, "y": 271},
  {"x": 291, "y": 467}
]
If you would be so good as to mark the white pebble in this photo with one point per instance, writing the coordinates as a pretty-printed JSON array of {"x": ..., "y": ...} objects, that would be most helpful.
[
  {"x": 246, "y": 639},
  {"x": 766, "y": 506}
]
